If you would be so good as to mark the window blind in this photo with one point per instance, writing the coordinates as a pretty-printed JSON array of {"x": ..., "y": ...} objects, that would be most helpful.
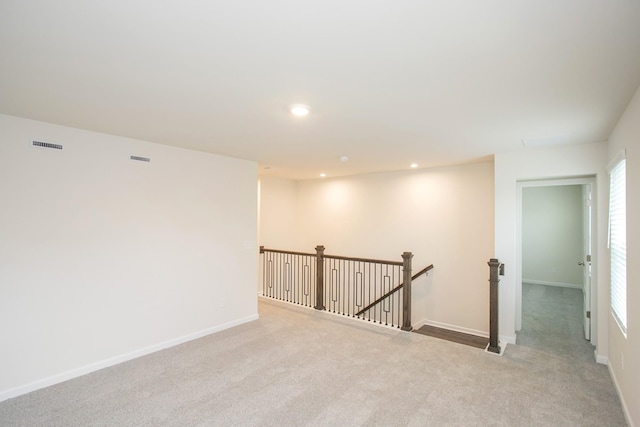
[{"x": 618, "y": 242}]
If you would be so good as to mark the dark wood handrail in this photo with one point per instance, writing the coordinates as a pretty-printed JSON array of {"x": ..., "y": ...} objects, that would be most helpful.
[
  {"x": 394, "y": 290},
  {"x": 263, "y": 250},
  {"x": 421, "y": 272},
  {"x": 378, "y": 261}
]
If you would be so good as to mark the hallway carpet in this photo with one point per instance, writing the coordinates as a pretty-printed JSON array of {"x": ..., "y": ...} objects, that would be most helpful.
[
  {"x": 552, "y": 321},
  {"x": 298, "y": 367}
]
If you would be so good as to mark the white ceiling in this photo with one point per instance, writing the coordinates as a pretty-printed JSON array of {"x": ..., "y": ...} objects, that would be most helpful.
[{"x": 390, "y": 82}]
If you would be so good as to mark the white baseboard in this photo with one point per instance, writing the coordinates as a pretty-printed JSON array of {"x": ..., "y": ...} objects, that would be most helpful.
[
  {"x": 501, "y": 344},
  {"x": 603, "y": 360},
  {"x": 625, "y": 409},
  {"x": 509, "y": 339},
  {"x": 419, "y": 324},
  {"x": 547, "y": 283},
  {"x": 340, "y": 317},
  {"x": 92, "y": 367}
]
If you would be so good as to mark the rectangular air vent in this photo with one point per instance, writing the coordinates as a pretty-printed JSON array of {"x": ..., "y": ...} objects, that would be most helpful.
[
  {"x": 140, "y": 159},
  {"x": 46, "y": 145}
]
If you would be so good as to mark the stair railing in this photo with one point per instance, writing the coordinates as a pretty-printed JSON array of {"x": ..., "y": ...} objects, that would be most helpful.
[
  {"x": 356, "y": 287},
  {"x": 496, "y": 269},
  {"x": 396, "y": 289}
]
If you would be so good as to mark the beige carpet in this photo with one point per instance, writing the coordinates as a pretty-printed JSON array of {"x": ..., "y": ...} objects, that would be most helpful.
[
  {"x": 552, "y": 320},
  {"x": 296, "y": 366}
]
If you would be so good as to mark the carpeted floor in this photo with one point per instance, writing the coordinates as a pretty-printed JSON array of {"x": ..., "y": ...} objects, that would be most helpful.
[
  {"x": 296, "y": 366},
  {"x": 552, "y": 321}
]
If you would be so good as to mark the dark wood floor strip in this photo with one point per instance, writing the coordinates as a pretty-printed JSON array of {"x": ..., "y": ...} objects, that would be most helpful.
[{"x": 458, "y": 337}]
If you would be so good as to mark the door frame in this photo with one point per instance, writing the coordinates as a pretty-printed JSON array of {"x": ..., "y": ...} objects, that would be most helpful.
[{"x": 581, "y": 180}]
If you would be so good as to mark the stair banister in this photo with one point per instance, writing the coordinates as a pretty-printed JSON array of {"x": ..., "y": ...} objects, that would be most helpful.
[
  {"x": 406, "y": 296},
  {"x": 496, "y": 269},
  {"x": 320, "y": 278}
]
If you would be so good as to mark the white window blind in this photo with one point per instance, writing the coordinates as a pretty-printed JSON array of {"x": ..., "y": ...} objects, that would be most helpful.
[{"x": 618, "y": 242}]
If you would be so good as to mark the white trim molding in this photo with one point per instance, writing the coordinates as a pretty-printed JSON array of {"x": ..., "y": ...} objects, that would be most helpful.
[
  {"x": 622, "y": 155},
  {"x": 625, "y": 408},
  {"x": 87, "y": 369}
]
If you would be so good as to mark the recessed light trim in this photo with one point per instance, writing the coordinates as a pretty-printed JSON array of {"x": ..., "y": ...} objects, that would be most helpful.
[{"x": 299, "y": 110}]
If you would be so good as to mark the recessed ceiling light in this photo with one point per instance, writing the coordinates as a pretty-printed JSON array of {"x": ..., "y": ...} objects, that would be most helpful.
[
  {"x": 414, "y": 165},
  {"x": 299, "y": 110},
  {"x": 322, "y": 175},
  {"x": 344, "y": 158}
]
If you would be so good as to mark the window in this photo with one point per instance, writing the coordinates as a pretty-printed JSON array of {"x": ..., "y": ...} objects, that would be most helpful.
[{"x": 618, "y": 240}]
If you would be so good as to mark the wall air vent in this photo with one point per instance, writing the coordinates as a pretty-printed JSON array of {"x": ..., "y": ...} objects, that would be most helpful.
[
  {"x": 46, "y": 145},
  {"x": 140, "y": 159}
]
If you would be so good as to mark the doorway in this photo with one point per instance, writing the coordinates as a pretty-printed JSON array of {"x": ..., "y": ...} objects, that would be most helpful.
[{"x": 554, "y": 276}]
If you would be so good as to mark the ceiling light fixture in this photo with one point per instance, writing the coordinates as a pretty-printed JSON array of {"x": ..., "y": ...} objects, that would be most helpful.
[
  {"x": 322, "y": 175},
  {"x": 299, "y": 110},
  {"x": 414, "y": 165},
  {"x": 344, "y": 158}
]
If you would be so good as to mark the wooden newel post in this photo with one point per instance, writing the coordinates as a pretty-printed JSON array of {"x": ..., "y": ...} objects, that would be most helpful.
[
  {"x": 494, "y": 279},
  {"x": 406, "y": 291},
  {"x": 319, "y": 278}
]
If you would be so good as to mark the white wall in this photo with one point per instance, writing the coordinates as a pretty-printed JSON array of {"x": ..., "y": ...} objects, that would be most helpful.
[
  {"x": 278, "y": 213},
  {"x": 560, "y": 162},
  {"x": 276, "y": 217},
  {"x": 103, "y": 259},
  {"x": 552, "y": 235},
  {"x": 624, "y": 353},
  {"x": 444, "y": 216}
]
